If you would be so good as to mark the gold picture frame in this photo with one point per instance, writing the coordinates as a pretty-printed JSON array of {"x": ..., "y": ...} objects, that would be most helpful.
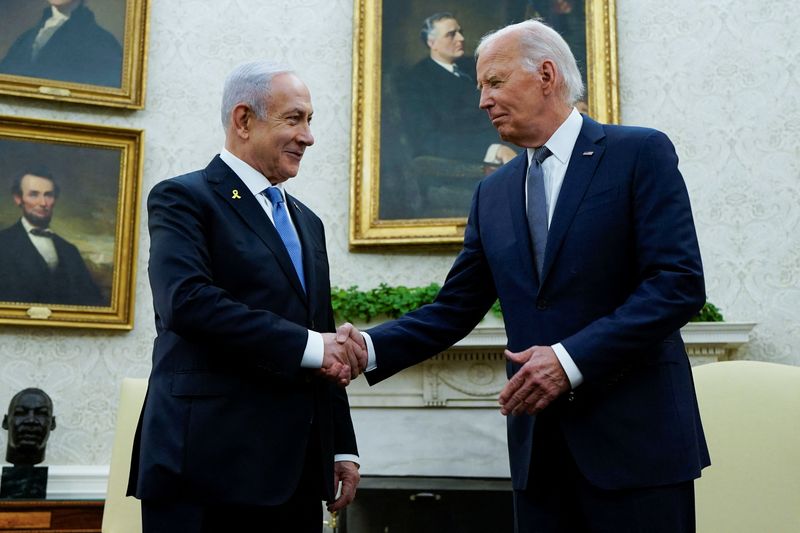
[
  {"x": 382, "y": 181},
  {"x": 102, "y": 41},
  {"x": 93, "y": 176}
]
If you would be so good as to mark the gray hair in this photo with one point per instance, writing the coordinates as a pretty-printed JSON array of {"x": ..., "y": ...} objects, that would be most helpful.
[
  {"x": 428, "y": 29},
  {"x": 249, "y": 84},
  {"x": 539, "y": 42}
]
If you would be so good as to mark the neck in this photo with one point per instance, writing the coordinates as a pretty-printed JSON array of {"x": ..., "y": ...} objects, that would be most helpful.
[{"x": 15, "y": 456}]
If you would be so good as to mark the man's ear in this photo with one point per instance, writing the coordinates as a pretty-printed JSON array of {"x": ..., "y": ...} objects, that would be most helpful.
[
  {"x": 18, "y": 200},
  {"x": 5, "y": 421},
  {"x": 52, "y": 423},
  {"x": 241, "y": 117},
  {"x": 549, "y": 76}
]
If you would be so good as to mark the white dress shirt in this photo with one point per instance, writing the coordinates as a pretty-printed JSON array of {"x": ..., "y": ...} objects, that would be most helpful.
[
  {"x": 44, "y": 245},
  {"x": 50, "y": 26}
]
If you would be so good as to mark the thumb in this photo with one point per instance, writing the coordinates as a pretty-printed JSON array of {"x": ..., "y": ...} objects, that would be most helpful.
[
  {"x": 343, "y": 332},
  {"x": 517, "y": 357}
]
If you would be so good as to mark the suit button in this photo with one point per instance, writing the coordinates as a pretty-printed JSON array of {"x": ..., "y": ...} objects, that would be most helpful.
[
  {"x": 541, "y": 304},
  {"x": 571, "y": 396}
]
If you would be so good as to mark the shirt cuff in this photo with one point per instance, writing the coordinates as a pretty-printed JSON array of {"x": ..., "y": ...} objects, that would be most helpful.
[
  {"x": 372, "y": 364},
  {"x": 570, "y": 368},
  {"x": 346, "y": 457},
  {"x": 315, "y": 349}
]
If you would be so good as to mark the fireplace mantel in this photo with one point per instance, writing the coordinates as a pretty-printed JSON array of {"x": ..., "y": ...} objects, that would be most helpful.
[{"x": 472, "y": 373}]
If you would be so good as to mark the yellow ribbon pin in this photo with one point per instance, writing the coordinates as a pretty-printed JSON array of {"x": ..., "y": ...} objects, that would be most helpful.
[{"x": 236, "y": 194}]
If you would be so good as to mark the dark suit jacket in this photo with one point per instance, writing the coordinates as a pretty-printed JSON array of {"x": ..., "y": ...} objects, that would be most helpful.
[
  {"x": 229, "y": 412},
  {"x": 79, "y": 51},
  {"x": 441, "y": 114},
  {"x": 621, "y": 275},
  {"x": 26, "y": 277}
]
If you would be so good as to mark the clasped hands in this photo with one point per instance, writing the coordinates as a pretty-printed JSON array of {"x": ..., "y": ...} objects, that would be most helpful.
[
  {"x": 345, "y": 355},
  {"x": 539, "y": 381}
]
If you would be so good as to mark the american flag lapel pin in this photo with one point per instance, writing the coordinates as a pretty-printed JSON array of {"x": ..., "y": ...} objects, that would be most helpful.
[{"x": 588, "y": 153}]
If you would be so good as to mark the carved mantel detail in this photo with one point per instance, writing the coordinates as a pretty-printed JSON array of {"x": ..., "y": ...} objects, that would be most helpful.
[{"x": 472, "y": 373}]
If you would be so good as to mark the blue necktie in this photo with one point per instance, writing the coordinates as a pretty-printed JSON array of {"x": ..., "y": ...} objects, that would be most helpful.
[
  {"x": 285, "y": 229},
  {"x": 537, "y": 206}
]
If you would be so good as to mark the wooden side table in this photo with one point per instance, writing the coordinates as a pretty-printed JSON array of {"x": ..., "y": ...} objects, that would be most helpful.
[{"x": 62, "y": 516}]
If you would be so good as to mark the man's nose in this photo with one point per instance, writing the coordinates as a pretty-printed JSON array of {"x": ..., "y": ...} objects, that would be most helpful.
[
  {"x": 485, "y": 101},
  {"x": 306, "y": 137}
]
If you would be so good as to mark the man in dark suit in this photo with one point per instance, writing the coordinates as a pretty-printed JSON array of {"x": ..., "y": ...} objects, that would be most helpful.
[
  {"x": 239, "y": 430},
  {"x": 66, "y": 44},
  {"x": 589, "y": 243},
  {"x": 440, "y": 103},
  {"x": 37, "y": 265}
]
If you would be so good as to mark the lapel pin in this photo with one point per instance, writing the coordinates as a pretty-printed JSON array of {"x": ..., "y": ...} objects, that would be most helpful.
[
  {"x": 236, "y": 194},
  {"x": 588, "y": 153},
  {"x": 295, "y": 205}
]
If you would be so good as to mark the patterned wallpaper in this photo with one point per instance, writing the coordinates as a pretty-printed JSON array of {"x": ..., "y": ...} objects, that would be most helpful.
[{"x": 720, "y": 77}]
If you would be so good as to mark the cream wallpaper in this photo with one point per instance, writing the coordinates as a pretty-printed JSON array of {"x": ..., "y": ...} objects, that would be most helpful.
[{"x": 721, "y": 77}]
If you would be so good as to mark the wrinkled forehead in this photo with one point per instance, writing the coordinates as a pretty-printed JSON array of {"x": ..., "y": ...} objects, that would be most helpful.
[{"x": 497, "y": 58}]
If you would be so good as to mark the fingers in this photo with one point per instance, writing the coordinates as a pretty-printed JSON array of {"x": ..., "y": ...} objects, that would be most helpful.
[
  {"x": 538, "y": 382},
  {"x": 347, "y": 473}
]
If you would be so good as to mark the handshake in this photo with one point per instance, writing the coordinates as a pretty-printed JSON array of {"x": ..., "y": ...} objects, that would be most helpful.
[{"x": 345, "y": 355}]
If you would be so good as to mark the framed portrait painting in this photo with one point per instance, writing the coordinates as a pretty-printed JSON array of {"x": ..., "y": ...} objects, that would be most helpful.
[
  {"x": 420, "y": 144},
  {"x": 87, "y": 51},
  {"x": 69, "y": 204}
]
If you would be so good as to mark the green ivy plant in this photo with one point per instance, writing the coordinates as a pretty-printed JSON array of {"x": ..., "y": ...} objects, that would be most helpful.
[{"x": 352, "y": 304}]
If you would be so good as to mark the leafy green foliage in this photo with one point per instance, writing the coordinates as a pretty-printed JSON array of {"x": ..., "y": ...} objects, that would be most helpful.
[
  {"x": 709, "y": 313},
  {"x": 352, "y": 304}
]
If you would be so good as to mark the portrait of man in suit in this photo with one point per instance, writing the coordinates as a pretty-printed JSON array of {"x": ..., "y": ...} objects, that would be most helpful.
[
  {"x": 587, "y": 239},
  {"x": 29, "y": 422},
  {"x": 66, "y": 43},
  {"x": 441, "y": 102},
  {"x": 36, "y": 264},
  {"x": 245, "y": 426}
]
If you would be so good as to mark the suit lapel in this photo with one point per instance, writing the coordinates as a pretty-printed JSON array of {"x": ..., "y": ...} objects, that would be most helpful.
[
  {"x": 300, "y": 220},
  {"x": 582, "y": 165},
  {"x": 236, "y": 194},
  {"x": 515, "y": 195}
]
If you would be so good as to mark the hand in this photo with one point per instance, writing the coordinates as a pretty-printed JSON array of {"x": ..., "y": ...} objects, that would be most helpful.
[
  {"x": 345, "y": 355},
  {"x": 349, "y": 331},
  {"x": 345, "y": 472},
  {"x": 540, "y": 381},
  {"x": 505, "y": 154}
]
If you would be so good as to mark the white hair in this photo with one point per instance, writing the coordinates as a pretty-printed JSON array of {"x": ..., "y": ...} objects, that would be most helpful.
[
  {"x": 539, "y": 42},
  {"x": 249, "y": 84}
]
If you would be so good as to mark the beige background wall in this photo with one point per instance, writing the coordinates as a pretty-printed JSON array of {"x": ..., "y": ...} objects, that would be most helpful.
[{"x": 721, "y": 78}]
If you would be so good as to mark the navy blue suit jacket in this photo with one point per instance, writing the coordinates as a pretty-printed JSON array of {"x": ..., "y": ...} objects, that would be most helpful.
[
  {"x": 622, "y": 274},
  {"x": 229, "y": 411}
]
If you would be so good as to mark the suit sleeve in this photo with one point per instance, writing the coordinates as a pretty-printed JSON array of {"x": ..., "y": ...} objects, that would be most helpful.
[
  {"x": 466, "y": 296},
  {"x": 188, "y": 303},
  {"x": 669, "y": 286}
]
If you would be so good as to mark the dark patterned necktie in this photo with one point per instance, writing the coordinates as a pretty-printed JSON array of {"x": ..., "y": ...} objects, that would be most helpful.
[
  {"x": 288, "y": 235},
  {"x": 537, "y": 206}
]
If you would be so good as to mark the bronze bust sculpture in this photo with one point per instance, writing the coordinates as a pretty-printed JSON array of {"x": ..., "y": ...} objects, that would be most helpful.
[{"x": 29, "y": 422}]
